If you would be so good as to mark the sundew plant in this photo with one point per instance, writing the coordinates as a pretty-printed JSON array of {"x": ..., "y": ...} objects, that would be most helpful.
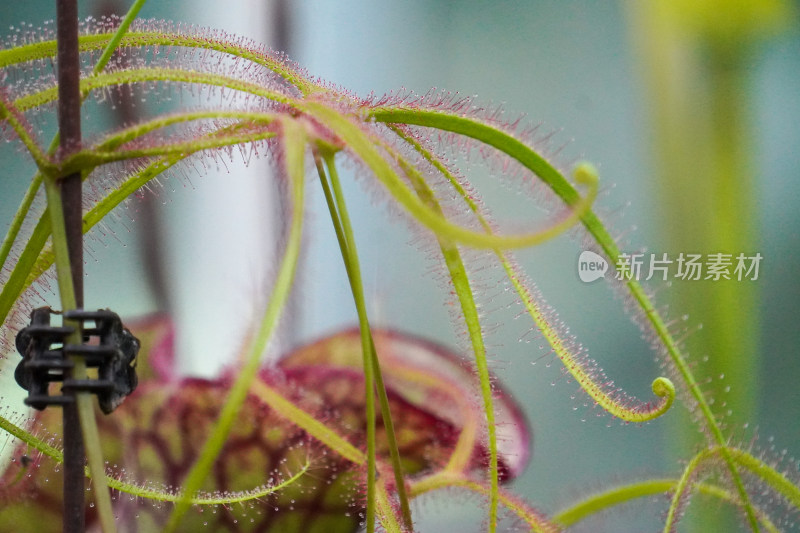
[{"x": 345, "y": 433}]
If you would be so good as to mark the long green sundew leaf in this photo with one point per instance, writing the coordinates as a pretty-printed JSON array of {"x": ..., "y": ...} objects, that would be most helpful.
[
  {"x": 10, "y": 113},
  {"x": 16, "y": 225},
  {"x": 769, "y": 475},
  {"x": 225, "y": 499},
  {"x": 297, "y": 416},
  {"x": 344, "y": 235},
  {"x": 177, "y": 39},
  {"x": 19, "y": 279},
  {"x": 610, "y": 498},
  {"x": 91, "y": 158},
  {"x": 149, "y": 492},
  {"x": 140, "y": 75},
  {"x": 31, "y": 440},
  {"x": 662, "y": 387},
  {"x": 443, "y": 480},
  {"x": 772, "y": 477},
  {"x": 117, "y": 139},
  {"x": 684, "y": 483},
  {"x": 391, "y": 438},
  {"x": 107, "y": 42},
  {"x": 294, "y": 142},
  {"x": 491, "y": 136},
  {"x": 116, "y": 37},
  {"x": 463, "y": 290},
  {"x": 385, "y": 512},
  {"x": 624, "y": 410},
  {"x": 139, "y": 179},
  {"x": 607, "y": 499},
  {"x": 364, "y": 147},
  {"x": 87, "y": 43},
  {"x": 167, "y": 38},
  {"x": 518, "y": 150}
]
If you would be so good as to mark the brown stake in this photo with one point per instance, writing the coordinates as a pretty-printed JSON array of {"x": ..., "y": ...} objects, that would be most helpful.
[{"x": 69, "y": 127}]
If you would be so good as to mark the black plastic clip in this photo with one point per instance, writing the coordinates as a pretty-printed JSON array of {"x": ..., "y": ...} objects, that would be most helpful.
[{"x": 107, "y": 346}]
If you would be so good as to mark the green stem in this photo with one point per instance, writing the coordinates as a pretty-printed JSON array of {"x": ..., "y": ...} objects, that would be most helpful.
[
  {"x": 94, "y": 455},
  {"x": 346, "y": 239},
  {"x": 391, "y": 439},
  {"x": 608, "y": 499},
  {"x": 91, "y": 436},
  {"x": 228, "y": 499}
]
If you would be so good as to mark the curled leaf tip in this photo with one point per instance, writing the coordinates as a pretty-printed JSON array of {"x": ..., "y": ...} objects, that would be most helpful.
[
  {"x": 663, "y": 388},
  {"x": 586, "y": 174},
  {"x": 627, "y": 408}
]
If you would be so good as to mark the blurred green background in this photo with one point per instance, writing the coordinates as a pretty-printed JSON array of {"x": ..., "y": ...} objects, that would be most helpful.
[{"x": 583, "y": 70}]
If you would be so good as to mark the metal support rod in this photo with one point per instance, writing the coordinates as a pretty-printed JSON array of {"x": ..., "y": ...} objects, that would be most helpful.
[{"x": 69, "y": 127}]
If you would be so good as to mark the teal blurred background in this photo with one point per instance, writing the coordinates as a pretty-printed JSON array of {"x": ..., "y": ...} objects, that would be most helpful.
[{"x": 575, "y": 68}]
